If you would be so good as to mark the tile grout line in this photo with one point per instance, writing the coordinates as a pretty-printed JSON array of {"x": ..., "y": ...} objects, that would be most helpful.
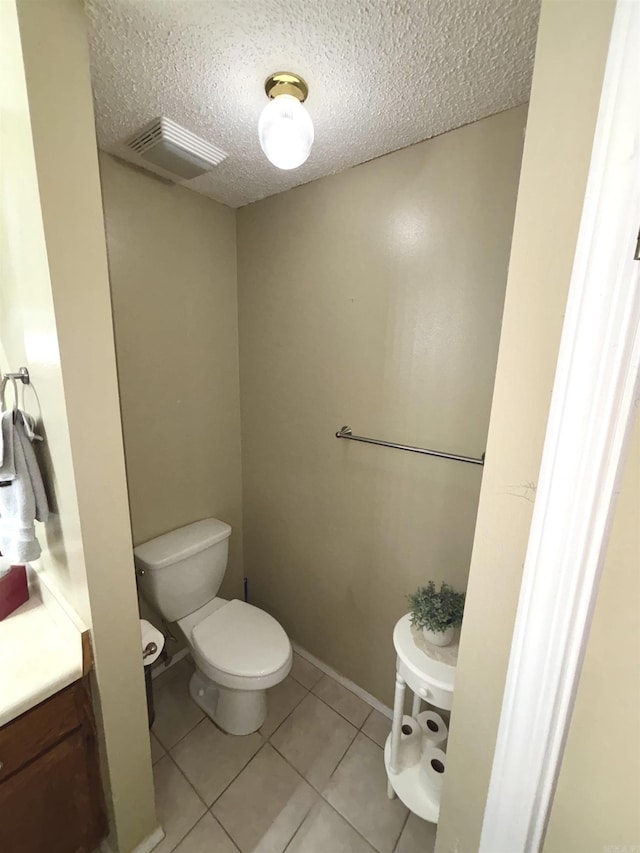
[
  {"x": 244, "y": 766},
  {"x": 305, "y": 816},
  {"x": 354, "y": 828},
  {"x": 373, "y": 740},
  {"x": 342, "y": 757},
  {"x": 322, "y": 798},
  {"x": 267, "y": 743},
  {"x": 291, "y": 675},
  {"x": 161, "y": 682},
  {"x": 222, "y": 826},
  {"x": 395, "y": 844},
  {"x": 357, "y": 728},
  {"x": 325, "y": 800},
  {"x": 297, "y": 772},
  {"x": 208, "y": 812},
  {"x": 319, "y": 793},
  {"x": 368, "y": 737},
  {"x": 299, "y": 827},
  {"x": 182, "y": 838},
  {"x": 297, "y": 705},
  {"x": 341, "y": 816},
  {"x": 195, "y": 726},
  {"x": 406, "y": 821},
  {"x": 320, "y": 699},
  {"x": 204, "y": 717},
  {"x": 349, "y": 745}
]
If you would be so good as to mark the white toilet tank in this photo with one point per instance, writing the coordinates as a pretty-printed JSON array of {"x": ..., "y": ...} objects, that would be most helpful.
[{"x": 181, "y": 571}]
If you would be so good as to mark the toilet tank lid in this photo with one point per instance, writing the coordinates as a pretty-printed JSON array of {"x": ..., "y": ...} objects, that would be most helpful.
[{"x": 179, "y": 544}]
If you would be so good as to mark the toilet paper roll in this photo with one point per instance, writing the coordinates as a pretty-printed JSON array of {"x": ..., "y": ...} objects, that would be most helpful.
[
  {"x": 410, "y": 742},
  {"x": 433, "y": 727},
  {"x": 150, "y": 634},
  {"x": 431, "y": 770}
]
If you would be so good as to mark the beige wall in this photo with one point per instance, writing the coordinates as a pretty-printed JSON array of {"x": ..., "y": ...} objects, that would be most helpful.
[
  {"x": 172, "y": 264},
  {"x": 371, "y": 298},
  {"x": 571, "y": 52},
  {"x": 597, "y": 802},
  {"x": 61, "y": 324}
]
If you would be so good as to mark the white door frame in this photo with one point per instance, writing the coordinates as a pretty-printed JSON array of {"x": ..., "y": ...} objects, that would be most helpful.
[{"x": 594, "y": 397}]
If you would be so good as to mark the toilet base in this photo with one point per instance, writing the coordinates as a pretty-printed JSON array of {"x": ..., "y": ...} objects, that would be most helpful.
[
  {"x": 204, "y": 693},
  {"x": 238, "y": 712}
]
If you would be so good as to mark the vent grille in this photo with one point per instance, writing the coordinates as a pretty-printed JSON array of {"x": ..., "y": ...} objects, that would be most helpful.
[
  {"x": 147, "y": 138},
  {"x": 175, "y": 149}
]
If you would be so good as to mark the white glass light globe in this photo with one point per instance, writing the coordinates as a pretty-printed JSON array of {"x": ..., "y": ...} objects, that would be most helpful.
[{"x": 285, "y": 130}]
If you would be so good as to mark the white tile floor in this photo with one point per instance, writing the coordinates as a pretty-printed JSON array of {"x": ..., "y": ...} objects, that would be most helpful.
[{"x": 312, "y": 780}]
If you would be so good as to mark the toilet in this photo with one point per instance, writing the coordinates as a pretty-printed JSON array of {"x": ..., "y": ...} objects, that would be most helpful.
[{"x": 239, "y": 650}]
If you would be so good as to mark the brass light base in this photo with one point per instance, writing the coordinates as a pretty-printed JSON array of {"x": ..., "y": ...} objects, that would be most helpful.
[{"x": 285, "y": 83}]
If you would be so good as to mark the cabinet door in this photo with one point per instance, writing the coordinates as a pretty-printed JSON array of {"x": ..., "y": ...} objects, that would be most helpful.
[
  {"x": 24, "y": 738},
  {"x": 47, "y": 807}
]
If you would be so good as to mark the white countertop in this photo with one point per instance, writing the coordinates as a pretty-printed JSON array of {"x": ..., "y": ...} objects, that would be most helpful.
[{"x": 40, "y": 651}]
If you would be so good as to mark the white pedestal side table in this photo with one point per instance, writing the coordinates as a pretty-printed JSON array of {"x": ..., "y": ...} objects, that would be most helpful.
[{"x": 429, "y": 671}]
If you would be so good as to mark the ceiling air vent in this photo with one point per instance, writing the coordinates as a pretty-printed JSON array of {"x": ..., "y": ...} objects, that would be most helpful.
[{"x": 175, "y": 149}]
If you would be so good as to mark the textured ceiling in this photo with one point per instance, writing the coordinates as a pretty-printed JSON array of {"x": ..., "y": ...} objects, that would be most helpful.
[{"x": 382, "y": 75}]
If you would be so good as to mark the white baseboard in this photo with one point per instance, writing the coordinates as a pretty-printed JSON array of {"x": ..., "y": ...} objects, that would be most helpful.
[
  {"x": 158, "y": 670},
  {"x": 367, "y": 697},
  {"x": 146, "y": 846},
  {"x": 151, "y": 841}
]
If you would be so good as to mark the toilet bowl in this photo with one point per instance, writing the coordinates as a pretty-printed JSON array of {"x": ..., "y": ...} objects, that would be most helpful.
[{"x": 239, "y": 650}]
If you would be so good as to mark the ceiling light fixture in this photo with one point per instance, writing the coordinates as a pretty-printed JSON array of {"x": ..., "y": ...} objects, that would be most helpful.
[{"x": 285, "y": 128}]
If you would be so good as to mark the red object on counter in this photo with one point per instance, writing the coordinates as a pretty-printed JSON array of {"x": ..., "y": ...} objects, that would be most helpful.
[{"x": 14, "y": 590}]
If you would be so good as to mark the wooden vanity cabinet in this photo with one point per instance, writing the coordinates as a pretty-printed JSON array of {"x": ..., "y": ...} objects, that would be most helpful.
[{"x": 51, "y": 798}]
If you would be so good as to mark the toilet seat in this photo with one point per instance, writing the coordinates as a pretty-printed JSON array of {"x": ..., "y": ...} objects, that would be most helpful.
[{"x": 242, "y": 647}]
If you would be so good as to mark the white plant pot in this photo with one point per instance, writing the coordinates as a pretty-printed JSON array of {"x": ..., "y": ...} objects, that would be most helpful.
[{"x": 439, "y": 638}]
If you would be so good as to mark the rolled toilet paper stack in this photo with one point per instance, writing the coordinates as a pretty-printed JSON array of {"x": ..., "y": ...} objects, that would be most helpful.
[
  {"x": 150, "y": 636},
  {"x": 410, "y": 742},
  {"x": 431, "y": 770},
  {"x": 434, "y": 729}
]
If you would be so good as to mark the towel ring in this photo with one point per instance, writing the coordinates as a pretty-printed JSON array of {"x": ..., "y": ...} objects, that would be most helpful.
[{"x": 3, "y": 386}]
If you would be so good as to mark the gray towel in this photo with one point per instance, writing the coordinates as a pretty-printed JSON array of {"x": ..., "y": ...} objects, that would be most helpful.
[
  {"x": 7, "y": 464},
  {"x": 22, "y": 501}
]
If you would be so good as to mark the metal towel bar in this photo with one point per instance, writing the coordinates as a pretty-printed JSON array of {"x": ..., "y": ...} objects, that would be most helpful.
[{"x": 345, "y": 432}]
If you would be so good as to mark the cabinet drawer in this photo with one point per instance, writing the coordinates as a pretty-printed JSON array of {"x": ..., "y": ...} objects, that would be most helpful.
[
  {"x": 24, "y": 738},
  {"x": 426, "y": 688}
]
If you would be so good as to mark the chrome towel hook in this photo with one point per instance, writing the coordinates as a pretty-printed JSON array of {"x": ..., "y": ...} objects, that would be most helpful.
[{"x": 22, "y": 375}]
